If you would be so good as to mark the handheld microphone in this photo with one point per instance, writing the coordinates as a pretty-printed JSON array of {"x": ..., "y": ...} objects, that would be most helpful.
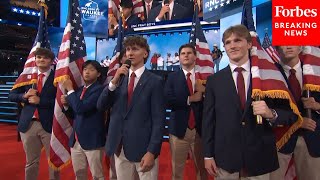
[
  {"x": 128, "y": 62},
  {"x": 166, "y": 16}
]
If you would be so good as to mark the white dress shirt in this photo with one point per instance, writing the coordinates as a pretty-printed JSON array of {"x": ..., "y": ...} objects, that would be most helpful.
[
  {"x": 246, "y": 75},
  {"x": 298, "y": 69},
  {"x": 138, "y": 73}
]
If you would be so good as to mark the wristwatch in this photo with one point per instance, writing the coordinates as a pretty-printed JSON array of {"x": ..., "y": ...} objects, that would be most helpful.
[{"x": 274, "y": 114}]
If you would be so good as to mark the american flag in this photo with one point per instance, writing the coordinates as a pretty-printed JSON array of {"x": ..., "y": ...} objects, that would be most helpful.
[
  {"x": 310, "y": 58},
  {"x": 138, "y": 8},
  {"x": 266, "y": 44},
  {"x": 115, "y": 61},
  {"x": 113, "y": 8},
  {"x": 204, "y": 62},
  {"x": 267, "y": 80},
  {"x": 29, "y": 74},
  {"x": 72, "y": 54}
]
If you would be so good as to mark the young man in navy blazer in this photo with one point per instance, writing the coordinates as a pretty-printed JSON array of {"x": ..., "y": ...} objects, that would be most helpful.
[
  {"x": 186, "y": 114},
  {"x": 234, "y": 144},
  {"x": 88, "y": 136},
  {"x": 137, "y": 116},
  {"x": 303, "y": 145},
  {"x": 35, "y": 123}
]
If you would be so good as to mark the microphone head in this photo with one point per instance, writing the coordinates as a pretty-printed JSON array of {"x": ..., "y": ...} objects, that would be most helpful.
[{"x": 128, "y": 62}]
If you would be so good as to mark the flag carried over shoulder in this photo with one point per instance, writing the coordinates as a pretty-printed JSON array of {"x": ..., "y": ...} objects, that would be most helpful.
[
  {"x": 115, "y": 61},
  {"x": 72, "y": 54},
  {"x": 29, "y": 74},
  {"x": 310, "y": 57},
  {"x": 204, "y": 61},
  {"x": 267, "y": 80}
]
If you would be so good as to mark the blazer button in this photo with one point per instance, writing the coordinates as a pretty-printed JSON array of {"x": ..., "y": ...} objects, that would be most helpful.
[{"x": 243, "y": 123}]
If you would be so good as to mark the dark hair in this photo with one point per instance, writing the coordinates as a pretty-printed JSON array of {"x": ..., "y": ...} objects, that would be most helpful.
[
  {"x": 126, "y": 4},
  {"x": 188, "y": 46},
  {"x": 94, "y": 63},
  {"x": 139, "y": 41},
  {"x": 122, "y": 53},
  {"x": 44, "y": 52},
  {"x": 239, "y": 30}
]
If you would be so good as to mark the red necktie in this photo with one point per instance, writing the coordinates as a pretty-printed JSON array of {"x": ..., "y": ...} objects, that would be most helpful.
[
  {"x": 240, "y": 87},
  {"x": 39, "y": 89},
  {"x": 40, "y": 82},
  {"x": 191, "y": 121},
  {"x": 83, "y": 92},
  {"x": 148, "y": 9},
  {"x": 295, "y": 85},
  {"x": 131, "y": 87}
]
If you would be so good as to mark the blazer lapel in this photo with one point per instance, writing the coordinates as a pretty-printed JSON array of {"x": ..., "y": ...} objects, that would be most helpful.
[
  {"x": 48, "y": 81},
  {"x": 182, "y": 79},
  {"x": 141, "y": 83},
  {"x": 232, "y": 88}
]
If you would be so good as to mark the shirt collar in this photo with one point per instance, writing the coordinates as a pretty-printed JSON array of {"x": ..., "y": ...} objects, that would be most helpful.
[
  {"x": 46, "y": 74},
  {"x": 186, "y": 72},
  {"x": 287, "y": 68},
  {"x": 245, "y": 66},
  {"x": 150, "y": 3},
  {"x": 138, "y": 72}
]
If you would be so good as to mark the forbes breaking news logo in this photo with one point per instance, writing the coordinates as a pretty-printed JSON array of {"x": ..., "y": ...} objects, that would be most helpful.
[{"x": 294, "y": 24}]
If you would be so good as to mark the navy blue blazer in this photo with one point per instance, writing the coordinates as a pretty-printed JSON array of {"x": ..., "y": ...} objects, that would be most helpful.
[
  {"x": 311, "y": 138},
  {"x": 141, "y": 125},
  {"x": 176, "y": 95},
  {"x": 45, "y": 107},
  {"x": 233, "y": 145},
  {"x": 178, "y": 12},
  {"x": 88, "y": 122}
]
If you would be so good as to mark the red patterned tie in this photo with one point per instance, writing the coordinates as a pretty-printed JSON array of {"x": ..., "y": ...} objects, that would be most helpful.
[
  {"x": 295, "y": 85},
  {"x": 131, "y": 87},
  {"x": 240, "y": 87},
  {"x": 83, "y": 92},
  {"x": 191, "y": 121},
  {"x": 39, "y": 89},
  {"x": 148, "y": 9}
]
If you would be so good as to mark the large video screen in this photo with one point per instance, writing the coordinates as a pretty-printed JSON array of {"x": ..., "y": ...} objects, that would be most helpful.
[
  {"x": 141, "y": 14},
  {"x": 163, "y": 47}
]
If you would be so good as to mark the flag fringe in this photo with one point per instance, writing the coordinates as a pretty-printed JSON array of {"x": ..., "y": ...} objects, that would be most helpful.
[
  {"x": 51, "y": 164},
  {"x": 282, "y": 95},
  {"x": 311, "y": 87},
  {"x": 24, "y": 84},
  {"x": 60, "y": 79}
]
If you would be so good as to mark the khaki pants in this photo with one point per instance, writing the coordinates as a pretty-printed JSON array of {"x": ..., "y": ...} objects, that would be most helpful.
[
  {"x": 80, "y": 160},
  {"x": 127, "y": 170},
  {"x": 33, "y": 141},
  {"x": 179, "y": 152},
  {"x": 306, "y": 166},
  {"x": 225, "y": 175}
]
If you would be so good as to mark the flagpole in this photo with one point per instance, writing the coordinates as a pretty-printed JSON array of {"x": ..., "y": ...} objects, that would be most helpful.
[{"x": 309, "y": 115}]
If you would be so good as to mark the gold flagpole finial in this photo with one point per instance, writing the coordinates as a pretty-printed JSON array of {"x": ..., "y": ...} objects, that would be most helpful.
[{"x": 44, "y": 5}]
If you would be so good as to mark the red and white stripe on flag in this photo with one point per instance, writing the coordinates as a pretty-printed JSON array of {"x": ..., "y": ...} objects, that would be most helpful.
[
  {"x": 310, "y": 58},
  {"x": 204, "y": 62},
  {"x": 273, "y": 54},
  {"x": 29, "y": 74},
  {"x": 291, "y": 171},
  {"x": 71, "y": 56},
  {"x": 138, "y": 8},
  {"x": 113, "y": 67},
  {"x": 267, "y": 81}
]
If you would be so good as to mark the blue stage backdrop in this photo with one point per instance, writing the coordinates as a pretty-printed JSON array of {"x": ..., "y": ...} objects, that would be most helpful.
[
  {"x": 94, "y": 17},
  {"x": 159, "y": 43}
]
